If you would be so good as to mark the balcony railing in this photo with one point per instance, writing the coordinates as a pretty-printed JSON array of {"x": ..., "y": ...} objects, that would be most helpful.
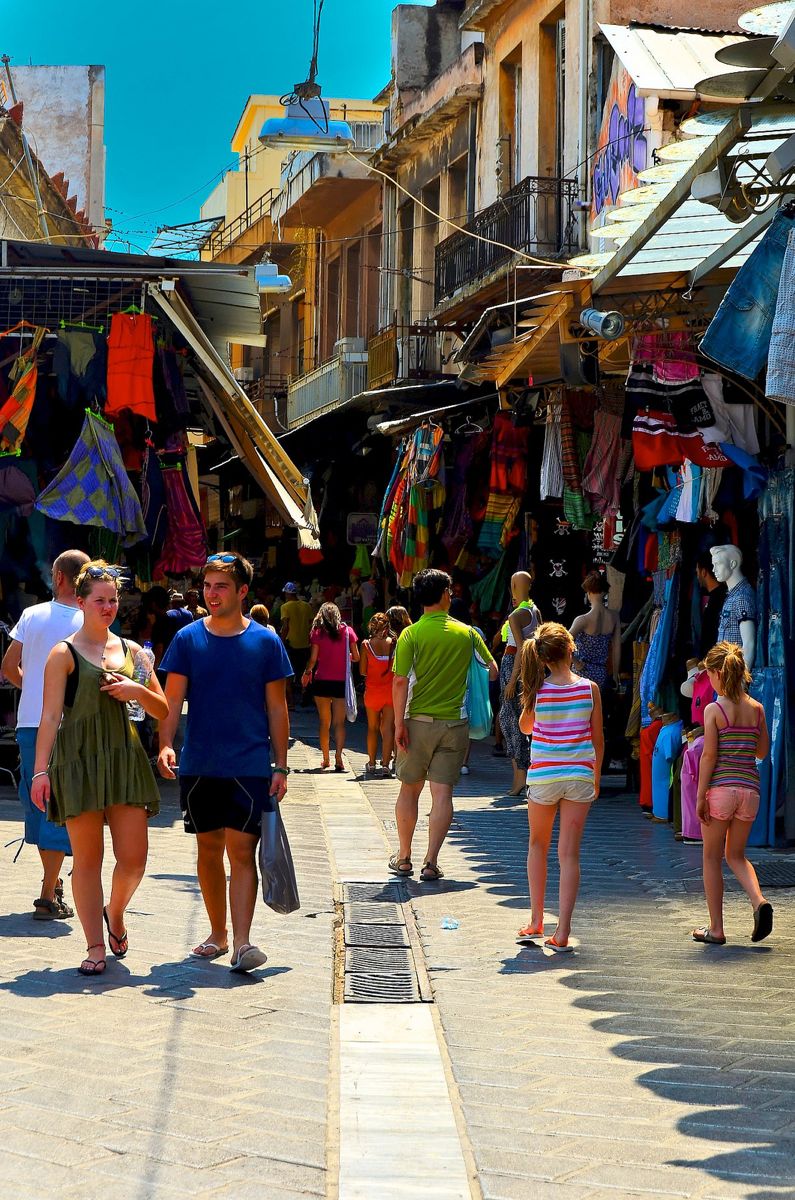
[
  {"x": 403, "y": 352},
  {"x": 536, "y": 216},
  {"x": 324, "y": 389},
  {"x": 227, "y": 234}
]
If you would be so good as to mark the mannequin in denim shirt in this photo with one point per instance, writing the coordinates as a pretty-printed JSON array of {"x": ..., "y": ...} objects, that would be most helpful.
[{"x": 738, "y": 615}]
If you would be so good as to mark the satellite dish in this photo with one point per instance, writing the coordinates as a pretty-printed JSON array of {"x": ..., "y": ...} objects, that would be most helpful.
[
  {"x": 748, "y": 54},
  {"x": 736, "y": 85},
  {"x": 767, "y": 19}
]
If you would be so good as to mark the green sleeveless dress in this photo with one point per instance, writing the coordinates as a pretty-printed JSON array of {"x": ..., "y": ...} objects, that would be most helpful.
[{"x": 98, "y": 760}]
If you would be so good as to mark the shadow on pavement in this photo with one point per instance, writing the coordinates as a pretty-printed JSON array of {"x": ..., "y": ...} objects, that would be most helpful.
[{"x": 171, "y": 980}]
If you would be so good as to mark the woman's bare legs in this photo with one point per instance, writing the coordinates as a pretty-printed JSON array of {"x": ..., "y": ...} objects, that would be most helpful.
[
  {"x": 744, "y": 873},
  {"x": 87, "y": 835},
  {"x": 542, "y": 819},
  {"x": 714, "y": 836},
  {"x": 338, "y": 711},
  {"x": 130, "y": 836},
  {"x": 387, "y": 735},
  {"x": 323, "y": 705},
  {"x": 573, "y": 815},
  {"x": 373, "y": 722}
]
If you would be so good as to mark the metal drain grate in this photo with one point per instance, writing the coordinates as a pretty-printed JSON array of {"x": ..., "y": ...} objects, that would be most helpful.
[
  {"x": 776, "y": 874},
  {"x": 376, "y": 935},
  {"x": 382, "y": 989},
  {"x": 377, "y": 960},
  {"x": 392, "y": 891},
  {"x": 373, "y": 913}
]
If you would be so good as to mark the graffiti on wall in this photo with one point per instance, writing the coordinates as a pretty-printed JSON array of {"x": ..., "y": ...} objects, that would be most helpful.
[{"x": 622, "y": 146}]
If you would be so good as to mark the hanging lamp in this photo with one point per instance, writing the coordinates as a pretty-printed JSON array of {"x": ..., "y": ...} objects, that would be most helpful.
[
  {"x": 268, "y": 279},
  {"x": 307, "y": 125}
]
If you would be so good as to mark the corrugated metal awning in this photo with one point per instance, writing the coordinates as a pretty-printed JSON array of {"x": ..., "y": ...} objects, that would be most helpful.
[{"x": 668, "y": 62}]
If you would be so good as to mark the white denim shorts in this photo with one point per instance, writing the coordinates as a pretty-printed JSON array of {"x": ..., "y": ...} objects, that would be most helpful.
[{"x": 581, "y": 790}]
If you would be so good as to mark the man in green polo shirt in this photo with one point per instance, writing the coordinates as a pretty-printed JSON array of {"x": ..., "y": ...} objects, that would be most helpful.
[{"x": 431, "y": 665}]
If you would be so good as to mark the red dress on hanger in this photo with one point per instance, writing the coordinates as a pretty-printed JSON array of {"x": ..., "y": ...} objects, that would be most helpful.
[{"x": 131, "y": 354}]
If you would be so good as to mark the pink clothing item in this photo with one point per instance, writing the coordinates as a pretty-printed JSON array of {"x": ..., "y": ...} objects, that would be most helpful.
[
  {"x": 332, "y": 653},
  {"x": 703, "y": 694},
  {"x": 691, "y": 826},
  {"x": 726, "y": 803},
  {"x": 671, "y": 355}
]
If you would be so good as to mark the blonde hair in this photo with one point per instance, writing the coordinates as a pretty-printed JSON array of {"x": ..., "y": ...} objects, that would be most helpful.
[
  {"x": 550, "y": 644},
  {"x": 260, "y": 614},
  {"x": 727, "y": 661},
  {"x": 97, "y": 571},
  {"x": 378, "y": 625}
]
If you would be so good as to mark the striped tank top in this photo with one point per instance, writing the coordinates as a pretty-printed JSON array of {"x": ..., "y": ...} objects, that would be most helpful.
[
  {"x": 562, "y": 749},
  {"x": 736, "y": 766}
]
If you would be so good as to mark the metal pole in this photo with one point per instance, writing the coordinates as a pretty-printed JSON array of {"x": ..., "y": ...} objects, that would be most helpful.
[{"x": 6, "y": 61}]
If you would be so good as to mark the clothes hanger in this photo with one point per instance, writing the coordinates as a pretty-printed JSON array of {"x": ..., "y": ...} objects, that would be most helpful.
[
  {"x": 81, "y": 325},
  {"x": 22, "y": 325},
  {"x": 469, "y": 426}
]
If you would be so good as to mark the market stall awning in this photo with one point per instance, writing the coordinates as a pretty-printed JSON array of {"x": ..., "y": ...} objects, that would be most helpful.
[
  {"x": 659, "y": 229},
  {"x": 248, "y": 433},
  {"x": 669, "y": 62}
]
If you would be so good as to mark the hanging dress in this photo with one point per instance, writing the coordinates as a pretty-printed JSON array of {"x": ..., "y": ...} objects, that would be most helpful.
[
  {"x": 185, "y": 548},
  {"x": 15, "y": 412},
  {"x": 131, "y": 354}
]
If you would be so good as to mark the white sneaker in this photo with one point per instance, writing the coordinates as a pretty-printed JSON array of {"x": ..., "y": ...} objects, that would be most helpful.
[{"x": 465, "y": 770}]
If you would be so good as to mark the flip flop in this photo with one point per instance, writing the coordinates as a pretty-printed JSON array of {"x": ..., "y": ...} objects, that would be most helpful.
[
  {"x": 763, "y": 922},
  {"x": 217, "y": 951},
  {"x": 121, "y": 942},
  {"x": 93, "y": 966},
  {"x": 558, "y": 947},
  {"x": 247, "y": 959},
  {"x": 529, "y": 936},
  {"x": 708, "y": 937}
]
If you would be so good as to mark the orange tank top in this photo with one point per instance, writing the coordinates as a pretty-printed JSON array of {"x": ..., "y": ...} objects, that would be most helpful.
[{"x": 379, "y": 669}]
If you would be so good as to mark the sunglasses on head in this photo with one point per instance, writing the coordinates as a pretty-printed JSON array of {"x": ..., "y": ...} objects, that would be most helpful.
[
  {"x": 223, "y": 558},
  {"x": 103, "y": 572}
]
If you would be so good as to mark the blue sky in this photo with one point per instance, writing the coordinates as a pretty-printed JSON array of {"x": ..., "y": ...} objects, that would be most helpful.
[{"x": 178, "y": 75}]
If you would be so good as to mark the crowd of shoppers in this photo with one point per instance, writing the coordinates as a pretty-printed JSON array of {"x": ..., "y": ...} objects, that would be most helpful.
[{"x": 83, "y": 765}]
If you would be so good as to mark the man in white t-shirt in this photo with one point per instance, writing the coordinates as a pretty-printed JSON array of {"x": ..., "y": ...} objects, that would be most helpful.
[{"x": 36, "y": 632}]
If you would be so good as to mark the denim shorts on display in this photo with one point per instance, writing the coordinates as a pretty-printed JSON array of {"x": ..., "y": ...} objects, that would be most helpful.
[
  {"x": 780, "y": 383},
  {"x": 728, "y": 803},
  {"x": 579, "y": 790},
  {"x": 738, "y": 337}
]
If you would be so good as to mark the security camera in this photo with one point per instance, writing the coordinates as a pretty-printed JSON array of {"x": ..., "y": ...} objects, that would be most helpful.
[{"x": 606, "y": 325}]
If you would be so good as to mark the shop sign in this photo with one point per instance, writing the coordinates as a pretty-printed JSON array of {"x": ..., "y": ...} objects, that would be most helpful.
[{"x": 362, "y": 529}]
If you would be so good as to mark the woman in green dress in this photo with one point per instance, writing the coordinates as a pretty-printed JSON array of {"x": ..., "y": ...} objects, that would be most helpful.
[{"x": 91, "y": 768}]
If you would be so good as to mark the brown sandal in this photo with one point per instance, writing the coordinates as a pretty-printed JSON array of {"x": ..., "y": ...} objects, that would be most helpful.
[
  {"x": 430, "y": 873},
  {"x": 400, "y": 866},
  {"x": 97, "y": 965}
]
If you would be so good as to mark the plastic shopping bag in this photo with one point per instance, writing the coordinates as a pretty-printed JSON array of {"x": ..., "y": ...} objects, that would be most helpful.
[
  {"x": 279, "y": 887},
  {"x": 351, "y": 705}
]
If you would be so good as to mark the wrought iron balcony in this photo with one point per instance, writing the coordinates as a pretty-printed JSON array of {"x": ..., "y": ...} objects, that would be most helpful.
[
  {"x": 329, "y": 385},
  {"x": 537, "y": 216},
  {"x": 403, "y": 352}
]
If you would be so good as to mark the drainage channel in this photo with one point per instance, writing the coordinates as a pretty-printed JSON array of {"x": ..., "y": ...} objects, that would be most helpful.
[{"x": 382, "y": 963}]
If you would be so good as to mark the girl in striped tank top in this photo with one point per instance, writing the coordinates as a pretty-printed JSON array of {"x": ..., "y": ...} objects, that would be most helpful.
[
  {"x": 563, "y": 712},
  {"x": 735, "y": 736}
]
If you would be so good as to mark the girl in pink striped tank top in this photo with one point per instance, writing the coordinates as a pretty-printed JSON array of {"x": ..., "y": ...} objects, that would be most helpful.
[
  {"x": 735, "y": 736},
  {"x": 563, "y": 712}
]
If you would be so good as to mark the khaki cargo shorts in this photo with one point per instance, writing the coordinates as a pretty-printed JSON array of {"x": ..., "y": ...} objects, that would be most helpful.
[{"x": 436, "y": 752}]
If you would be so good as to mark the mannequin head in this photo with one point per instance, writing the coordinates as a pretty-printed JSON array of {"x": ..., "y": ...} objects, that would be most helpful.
[
  {"x": 726, "y": 562},
  {"x": 521, "y": 583}
]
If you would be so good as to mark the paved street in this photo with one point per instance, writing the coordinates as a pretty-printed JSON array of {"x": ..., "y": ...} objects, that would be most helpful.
[{"x": 644, "y": 1065}]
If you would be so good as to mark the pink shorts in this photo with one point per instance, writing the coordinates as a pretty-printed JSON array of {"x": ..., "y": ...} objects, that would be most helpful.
[{"x": 726, "y": 803}]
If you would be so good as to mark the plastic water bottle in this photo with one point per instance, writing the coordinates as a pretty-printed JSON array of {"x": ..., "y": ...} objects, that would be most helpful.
[
  {"x": 143, "y": 666},
  {"x": 449, "y": 923}
]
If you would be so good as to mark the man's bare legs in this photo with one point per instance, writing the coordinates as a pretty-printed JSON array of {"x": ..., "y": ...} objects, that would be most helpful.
[
  {"x": 241, "y": 849},
  {"x": 439, "y": 819},
  {"x": 406, "y": 815},
  {"x": 212, "y": 881}
]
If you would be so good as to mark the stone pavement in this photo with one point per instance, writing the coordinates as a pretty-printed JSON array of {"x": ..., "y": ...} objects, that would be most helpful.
[{"x": 642, "y": 1065}]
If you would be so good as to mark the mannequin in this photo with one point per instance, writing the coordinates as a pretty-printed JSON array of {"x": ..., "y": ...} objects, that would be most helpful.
[
  {"x": 597, "y": 634},
  {"x": 521, "y": 624},
  {"x": 738, "y": 615}
]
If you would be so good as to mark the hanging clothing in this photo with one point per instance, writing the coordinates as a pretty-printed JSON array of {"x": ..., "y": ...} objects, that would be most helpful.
[
  {"x": 131, "y": 353},
  {"x": 17, "y": 493},
  {"x": 667, "y": 748},
  {"x": 691, "y": 761},
  {"x": 508, "y": 456},
  {"x": 648, "y": 739},
  {"x": 185, "y": 547},
  {"x": 80, "y": 361},
  {"x": 15, "y": 412},
  {"x": 551, "y": 486},
  {"x": 601, "y": 484},
  {"x": 153, "y": 501},
  {"x": 732, "y": 422},
  {"x": 93, "y": 488}
]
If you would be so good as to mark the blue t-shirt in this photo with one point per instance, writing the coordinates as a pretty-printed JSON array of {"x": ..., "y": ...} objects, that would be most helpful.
[
  {"x": 227, "y": 732},
  {"x": 667, "y": 749}
]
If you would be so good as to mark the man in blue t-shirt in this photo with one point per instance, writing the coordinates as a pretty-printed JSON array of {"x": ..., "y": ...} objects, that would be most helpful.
[{"x": 233, "y": 673}]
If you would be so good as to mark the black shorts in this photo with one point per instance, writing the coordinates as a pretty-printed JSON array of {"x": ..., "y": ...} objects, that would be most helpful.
[
  {"x": 209, "y": 803},
  {"x": 330, "y": 689}
]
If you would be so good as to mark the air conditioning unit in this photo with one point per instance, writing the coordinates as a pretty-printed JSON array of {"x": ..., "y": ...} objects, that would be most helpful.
[
  {"x": 348, "y": 346},
  {"x": 244, "y": 374}
]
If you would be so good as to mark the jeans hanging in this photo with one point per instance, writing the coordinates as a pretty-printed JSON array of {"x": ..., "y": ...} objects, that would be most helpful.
[
  {"x": 738, "y": 337},
  {"x": 780, "y": 384},
  {"x": 769, "y": 688},
  {"x": 657, "y": 659}
]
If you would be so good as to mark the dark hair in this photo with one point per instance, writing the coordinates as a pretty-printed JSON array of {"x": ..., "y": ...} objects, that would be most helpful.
[
  {"x": 430, "y": 585},
  {"x": 704, "y": 562},
  {"x": 328, "y": 620},
  {"x": 398, "y": 618},
  {"x": 595, "y": 582},
  {"x": 727, "y": 661}
]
